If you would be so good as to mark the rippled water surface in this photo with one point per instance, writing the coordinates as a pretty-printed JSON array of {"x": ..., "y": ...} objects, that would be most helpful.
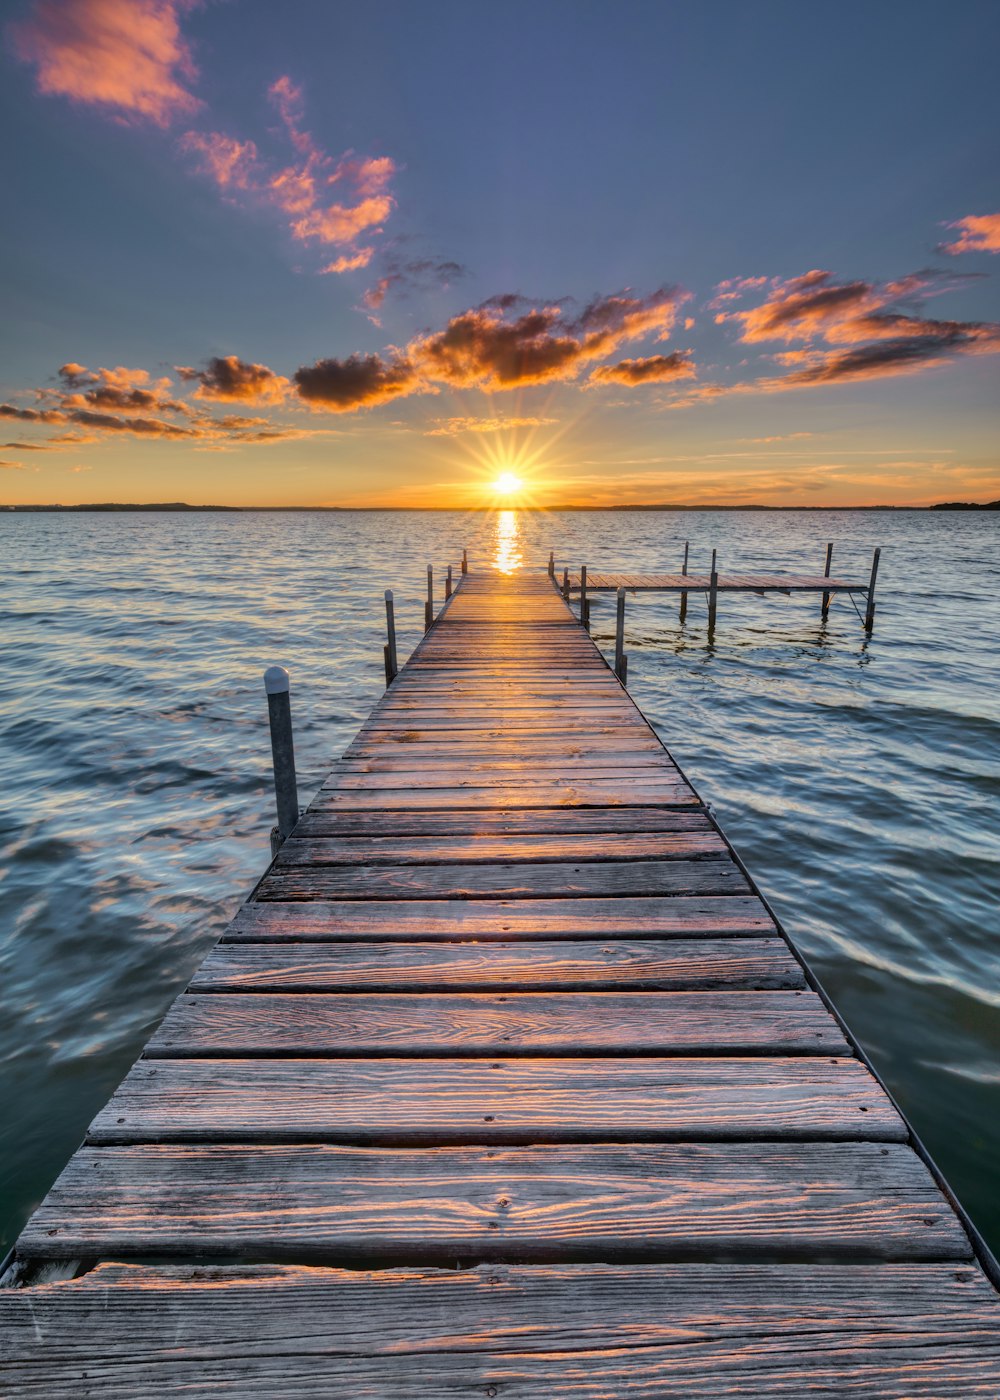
[{"x": 859, "y": 779}]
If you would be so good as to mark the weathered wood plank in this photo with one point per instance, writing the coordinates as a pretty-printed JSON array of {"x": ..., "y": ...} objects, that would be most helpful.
[
  {"x": 613, "y": 822},
  {"x": 394, "y": 1102},
  {"x": 584, "y": 1023},
  {"x": 674, "y": 965},
  {"x": 895, "y": 1331},
  {"x": 601, "y": 1203},
  {"x": 425, "y": 794},
  {"x": 708, "y": 875},
  {"x": 671, "y": 917},
  {"x": 490, "y": 849}
]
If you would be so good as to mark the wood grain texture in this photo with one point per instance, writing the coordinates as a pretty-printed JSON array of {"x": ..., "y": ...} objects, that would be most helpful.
[
  {"x": 528, "y": 919},
  {"x": 625, "y": 879},
  {"x": 664, "y": 965},
  {"x": 425, "y": 795},
  {"x": 490, "y": 848},
  {"x": 603, "y": 1202},
  {"x": 407, "y": 1101},
  {"x": 580, "y": 822},
  {"x": 537, "y": 1023},
  {"x": 895, "y": 1331}
]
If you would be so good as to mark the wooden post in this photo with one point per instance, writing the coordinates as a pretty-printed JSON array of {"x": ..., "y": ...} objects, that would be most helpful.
[
  {"x": 552, "y": 564},
  {"x": 870, "y": 611},
  {"x": 713, "y": 597},
  {"x": 621, "y": 660},
  {"x": 429, "y": 605},
  {"x": 825, "y": 611},
  {"x": 391, "y": 664},
  {"x": 584, "y": 604},
  {"x": 286, "y": 794},
  {"x": 447, "y": 584},
  {"x": 565, "y": 587},
  {"x": 465, "y": 562},
  {"x": 684, "y": 596}
]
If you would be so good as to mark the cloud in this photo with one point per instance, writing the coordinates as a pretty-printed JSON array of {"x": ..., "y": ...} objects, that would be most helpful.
[
  {"x": 451, "y": 427},
  {"x": 656, "y": 369},
  {"x": 13, "y": 467},
  {"x": 894, "y": 356},
  {"x": 232, "y": 380},
  {"x": 125, "y": 55},
  {"x": 31, "y": 415},
  {"x": 350, "y": 262},
  {"x": 300, "y": 189},
  {"x": 979, "y": 233},
  {"x": 360, "y": 381}
]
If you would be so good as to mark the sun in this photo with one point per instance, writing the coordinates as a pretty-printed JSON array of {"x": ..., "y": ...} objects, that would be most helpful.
[{"x": 507, "y": 483}]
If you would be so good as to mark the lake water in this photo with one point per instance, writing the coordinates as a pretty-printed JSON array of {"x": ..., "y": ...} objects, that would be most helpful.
[{"x": 858, "y": 778}]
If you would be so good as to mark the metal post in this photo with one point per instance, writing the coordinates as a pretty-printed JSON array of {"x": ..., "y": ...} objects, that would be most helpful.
[
  {"x": 565, "y": 588},
  {"x": 465, "y": 562},
  {"x": 447, "y": 584},
  {"x": 870, "y": 611},
  {"x": 429, "y": 605},
  {"x": 713, "y": 597},
  {"x": 286, "y": 791},
  {"x": 684, "y": 569},
  {"x": 552, "y": 564},
  {"x": 584, "y": 603},
  {"x": 826, "y": 574},
  {"x": 621, "y": 660},
  {"x": 391, "y": 664}
]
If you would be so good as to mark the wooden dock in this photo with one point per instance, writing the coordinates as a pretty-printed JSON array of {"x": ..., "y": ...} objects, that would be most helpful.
[{"x": 504, "y": 1083}]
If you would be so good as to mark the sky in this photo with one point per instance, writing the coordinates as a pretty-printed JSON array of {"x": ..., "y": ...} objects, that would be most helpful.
[{"x": 328, "y": 254}]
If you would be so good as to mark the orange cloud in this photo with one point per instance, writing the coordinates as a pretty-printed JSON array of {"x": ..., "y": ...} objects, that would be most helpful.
[
  {"x": 451, "y": 427},
  {"x": 230, "y": 163},
  {"x": 127, "y": 55},
  {"x": 230, "y": 379},
  {"x": 360, "y": 381},
  {"x": 979, "y": 233},
  {"x": 656, "y": 369},
  {"x": 350, "y": 262}
]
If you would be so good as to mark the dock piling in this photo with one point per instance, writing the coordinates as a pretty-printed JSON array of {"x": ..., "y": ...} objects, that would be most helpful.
[
  {"x": 684, "y": 569},
  {"x": 825, "y": 610},
  {"x": 465, "y": 562},
  {"x": 565, "y": 584},
  {"x": 447, "y": 584},
  {"x": 584, "y": 602},
  {"x": 713, "y": 597},
  {"x": 870, "y": 610},
  {"x": 286, "y": 791},
  {"x": 621, "y": 660},
  {"x": 552, "y": 564},
  {"x": 429, "y": 605},
  {"x": 391, "y": 662}
]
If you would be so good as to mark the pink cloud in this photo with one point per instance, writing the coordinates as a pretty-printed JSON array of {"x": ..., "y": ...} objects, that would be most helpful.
[
  {"x": 231, "y": 164},
  {"x": 126, "y": 55},
  {"x": 979, "y": 233},
  {"x": 350, "y": 262}
]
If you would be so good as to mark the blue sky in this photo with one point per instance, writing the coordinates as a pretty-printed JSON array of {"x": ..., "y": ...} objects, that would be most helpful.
[{"x": 634, "y": 251}]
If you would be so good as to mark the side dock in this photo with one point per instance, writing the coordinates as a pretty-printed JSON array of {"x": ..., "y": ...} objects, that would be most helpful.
[{"x": 505, "y": 1080}]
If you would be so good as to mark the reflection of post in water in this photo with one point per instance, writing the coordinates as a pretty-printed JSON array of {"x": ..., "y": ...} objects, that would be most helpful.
[
  {"x": 507, "y": 556},
  {"x": 684, "y": 596}
]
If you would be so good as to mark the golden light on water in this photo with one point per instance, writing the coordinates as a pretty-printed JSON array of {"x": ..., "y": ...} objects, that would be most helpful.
[{"x": 507, "y": 555}]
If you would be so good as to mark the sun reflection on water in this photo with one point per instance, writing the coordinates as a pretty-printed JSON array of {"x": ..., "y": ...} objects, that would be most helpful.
[{"x": 507, "y": 557}]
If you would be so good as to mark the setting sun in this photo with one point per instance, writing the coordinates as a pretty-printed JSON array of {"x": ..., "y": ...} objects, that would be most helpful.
[{"x": 507, "y": 483}]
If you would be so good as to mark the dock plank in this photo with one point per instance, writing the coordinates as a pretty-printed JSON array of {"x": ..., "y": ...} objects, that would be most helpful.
[
  {"x": 677, "y": 965},
  {"x": 407, "y": 1101},
  {"x": 538, "y": 1023},
  {"x": 594, "y": 1203},
  {"x": 898, "y": 1331}
]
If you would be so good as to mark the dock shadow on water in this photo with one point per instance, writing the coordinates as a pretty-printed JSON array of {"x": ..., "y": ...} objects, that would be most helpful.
[{"x": 859, "y": 780}]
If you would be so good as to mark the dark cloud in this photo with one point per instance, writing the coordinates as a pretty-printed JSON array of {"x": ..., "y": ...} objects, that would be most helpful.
[
  {"x": 31, "y": 415},
  {"x": 360, "y": 381},
  {"x": 232, "y": 380},
  {"x": 656, "y": 369}
]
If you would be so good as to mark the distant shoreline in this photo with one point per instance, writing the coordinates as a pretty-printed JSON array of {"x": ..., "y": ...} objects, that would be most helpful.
[{"x": 178, "y": 507}]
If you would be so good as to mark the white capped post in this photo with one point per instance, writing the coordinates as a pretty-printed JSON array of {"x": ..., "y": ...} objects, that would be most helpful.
[{"x": 279, "y": 712}]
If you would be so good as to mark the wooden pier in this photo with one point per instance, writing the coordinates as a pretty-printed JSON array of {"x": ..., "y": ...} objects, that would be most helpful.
[{"x": 505, "y": 1082}]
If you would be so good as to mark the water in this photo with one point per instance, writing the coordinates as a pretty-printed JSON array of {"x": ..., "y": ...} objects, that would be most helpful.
[{"x": 858, "y": 778}]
